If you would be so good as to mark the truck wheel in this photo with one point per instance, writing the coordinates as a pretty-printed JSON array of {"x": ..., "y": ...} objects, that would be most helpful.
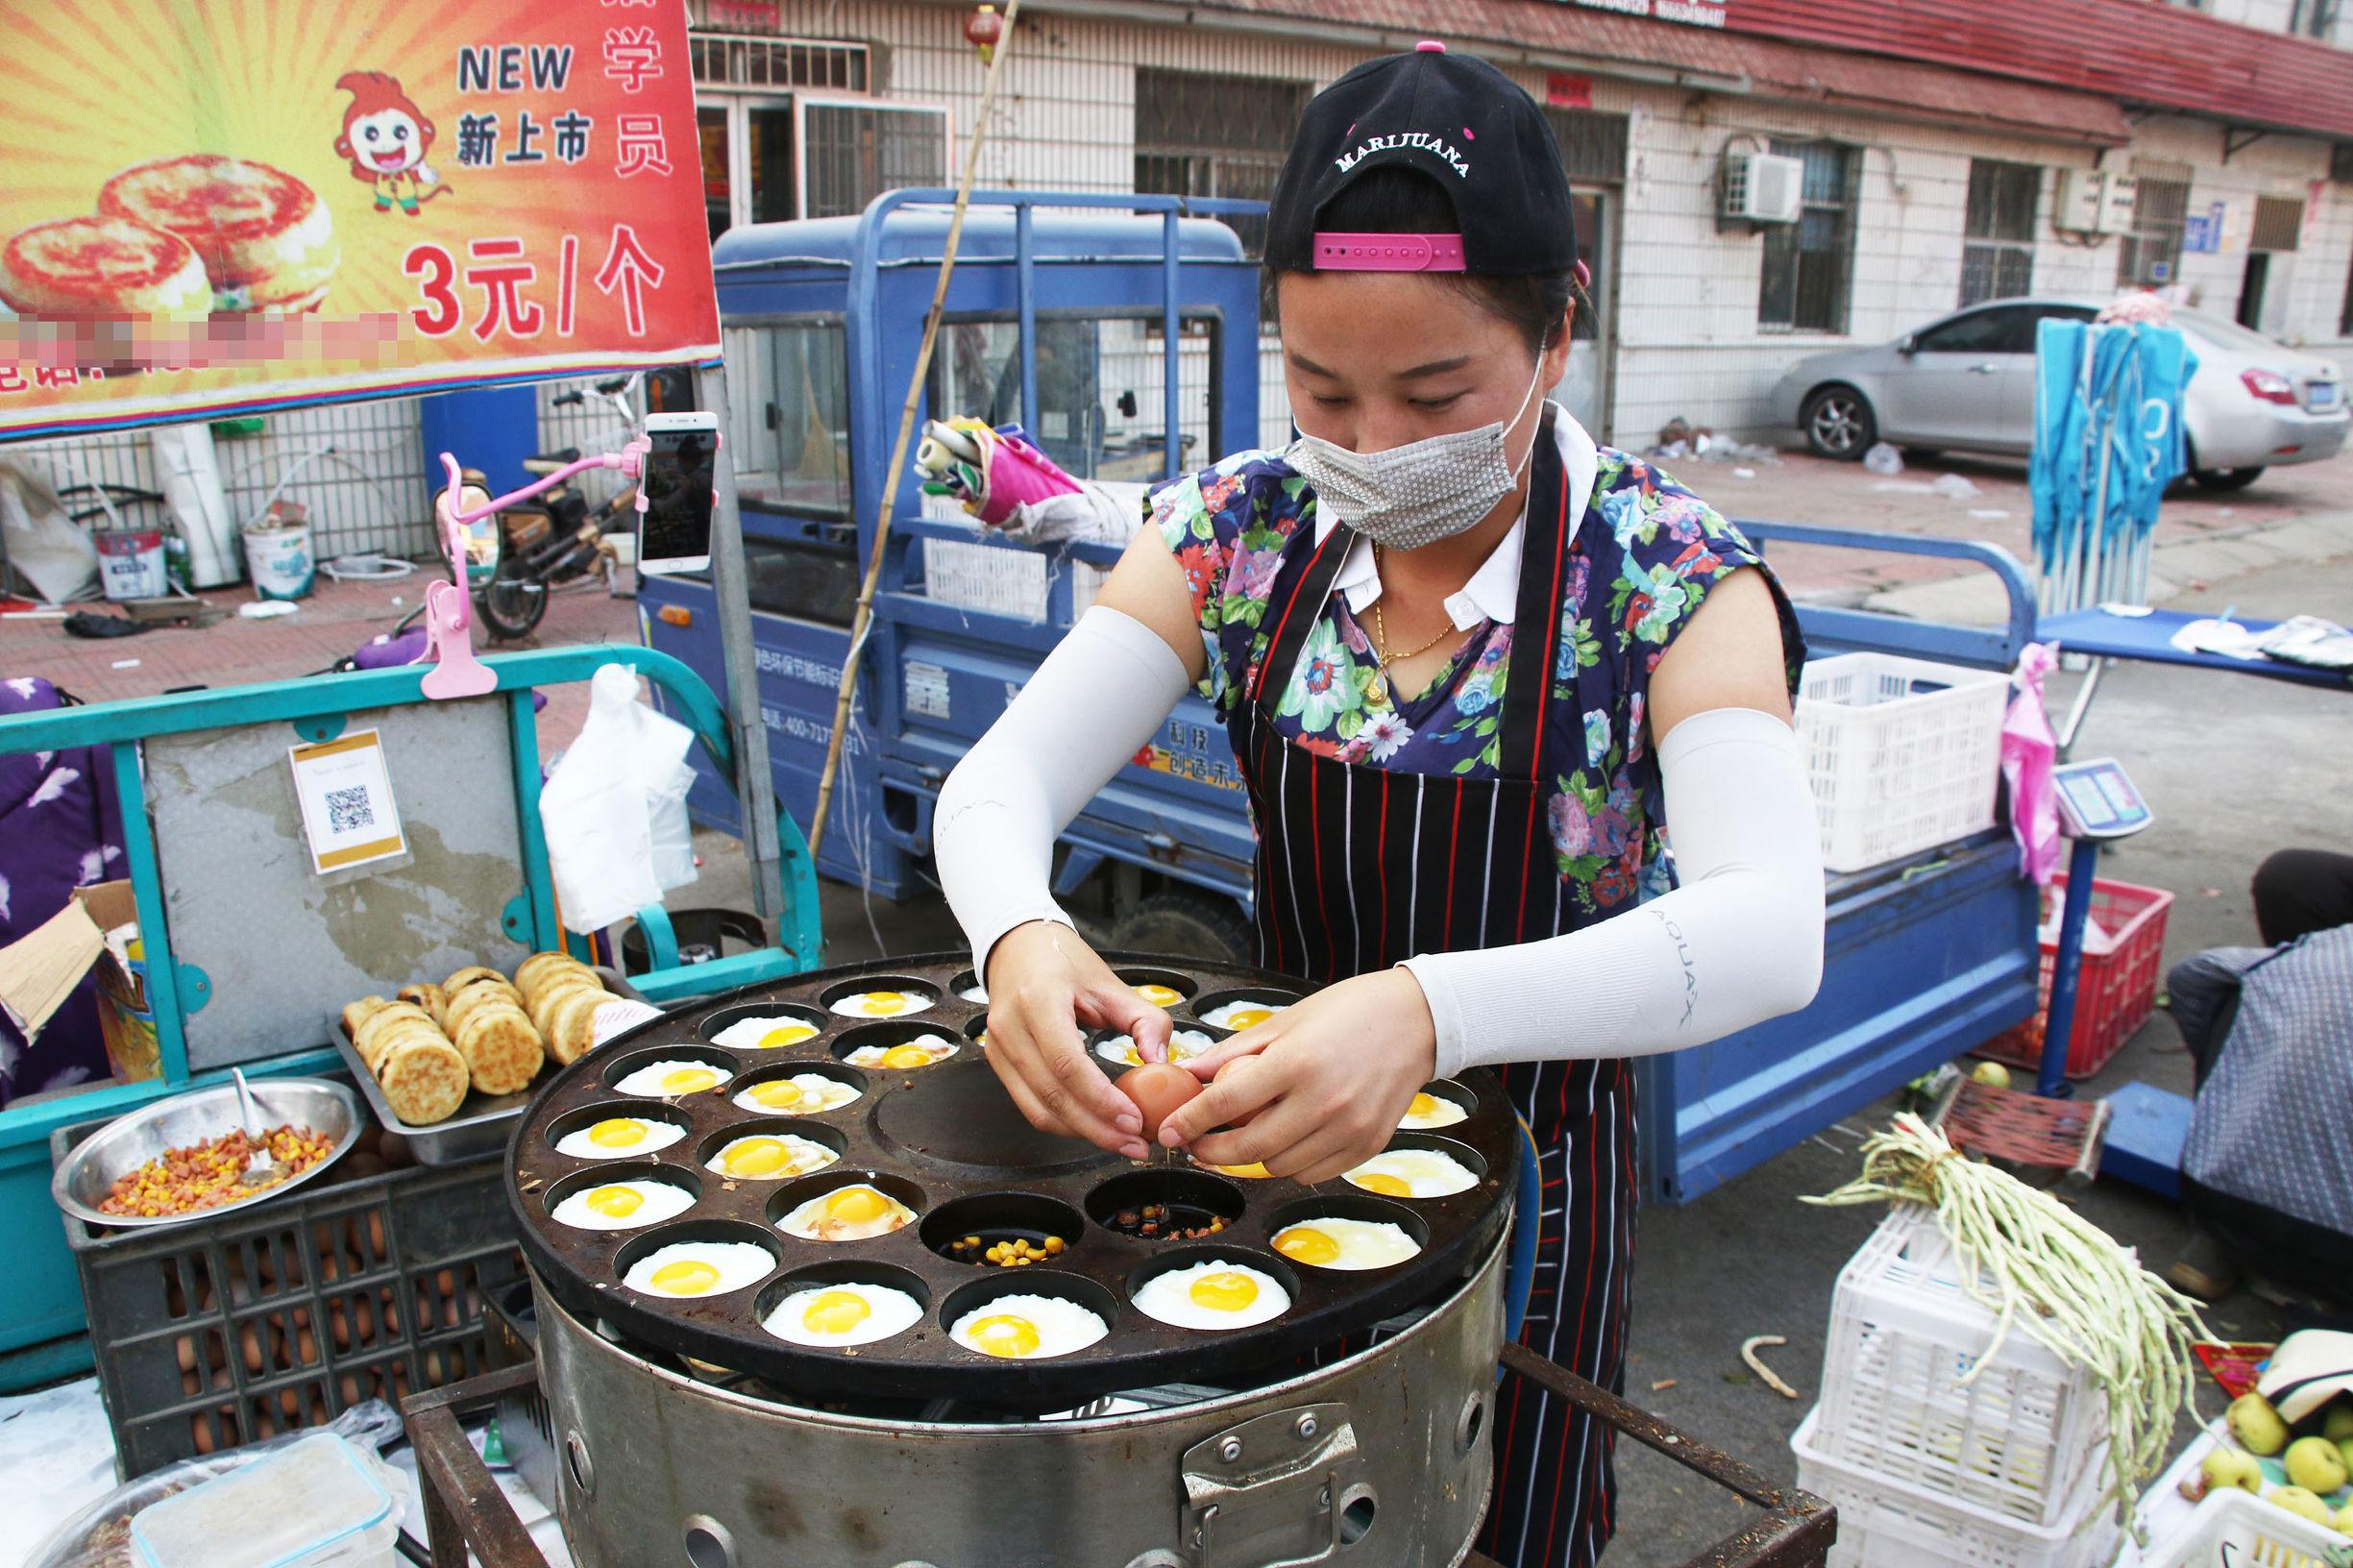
[{"x": 1199, "y": 925}]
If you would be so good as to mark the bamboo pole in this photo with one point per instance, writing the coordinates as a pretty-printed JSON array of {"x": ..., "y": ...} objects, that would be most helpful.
[{"x": 862, "y": 618}]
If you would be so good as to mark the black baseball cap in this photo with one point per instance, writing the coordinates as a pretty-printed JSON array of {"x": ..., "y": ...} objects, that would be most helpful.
[{"x": 1455, "y": 118}]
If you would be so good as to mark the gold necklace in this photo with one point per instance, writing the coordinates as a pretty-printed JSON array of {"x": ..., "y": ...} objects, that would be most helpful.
[{"x": 1378, "y": 685}]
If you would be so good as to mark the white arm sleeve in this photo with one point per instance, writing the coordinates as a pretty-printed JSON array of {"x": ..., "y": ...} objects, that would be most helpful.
[
  {"x": 1097, "y": 698},
  {"x": 1737, "y": 943}
]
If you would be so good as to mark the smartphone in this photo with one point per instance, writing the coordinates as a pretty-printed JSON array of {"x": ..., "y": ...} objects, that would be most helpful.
[{"x": 673, "y": 532}]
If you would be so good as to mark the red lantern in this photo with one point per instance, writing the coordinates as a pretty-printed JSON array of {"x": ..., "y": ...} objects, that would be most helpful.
[{"x": 982, "y": 28}]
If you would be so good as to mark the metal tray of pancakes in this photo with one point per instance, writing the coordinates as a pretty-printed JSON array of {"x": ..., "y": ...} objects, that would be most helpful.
[{"x": 945, "y": 1141}]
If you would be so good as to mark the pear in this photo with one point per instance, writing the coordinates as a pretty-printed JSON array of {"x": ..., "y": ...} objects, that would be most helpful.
[
  {"x": 2344, "y": 1447},
  {"x": 2344, "y": 1519},
  {"x": 2257, "y": 1426},
  {"x": 1991, "y": 1074},
  {"x": 2314, "y": 1464},
  {"x": 2302, "y": 1503},
  {"x": 2339, "y": 1425},
  {"x": 2228, "y": 1467}
]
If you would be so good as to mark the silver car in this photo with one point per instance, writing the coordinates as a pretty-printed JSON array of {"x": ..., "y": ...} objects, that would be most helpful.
[{"x": 1967, "y": 382}]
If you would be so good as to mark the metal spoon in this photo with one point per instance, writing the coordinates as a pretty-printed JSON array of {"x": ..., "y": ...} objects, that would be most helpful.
[{"x": 260, "y": 1168}]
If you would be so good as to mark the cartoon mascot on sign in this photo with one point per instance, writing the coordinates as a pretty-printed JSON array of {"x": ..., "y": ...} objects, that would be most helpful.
[{"x": 386, "y": 137}]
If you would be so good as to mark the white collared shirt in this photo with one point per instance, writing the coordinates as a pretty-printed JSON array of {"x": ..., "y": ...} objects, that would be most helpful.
[{"x": 1492, "y": 593}]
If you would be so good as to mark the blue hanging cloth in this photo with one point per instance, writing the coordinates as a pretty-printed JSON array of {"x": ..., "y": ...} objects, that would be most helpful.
[{"x": 2108, "y": 440}]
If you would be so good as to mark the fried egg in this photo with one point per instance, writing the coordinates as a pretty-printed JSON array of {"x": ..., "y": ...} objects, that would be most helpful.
[
  {"x": 848, "y": 1213},
  {"x": 1159, "y": 995},
  {"x": 672, "y": 1077},
  {"x": 922, "y": 1051},
  {"x": 1345, "y": 1243},
  {"x": 1243, "y": 1014},
  {"x": 882, "y": 1004},
  {"x": 699, "y": 1268},
  {"x": 621, "y": 1205},
  {"x": 1184, "y": 1044},
  {"x": 842, "y": 1314},
  {"x": 806, "y": 1093},
  {"x": 1027, "y": 1328},
  {"x": 1412, "y": 1173},
  {"x": 1216, "y": 1294},
  {"x": 770, "y": 1157},
  {"x": 768, "y": 1034},
  {"x": 617, "y": 1135},
  {"x": 975, "y": 994},
  {"x": 1432, "y": 1111}
]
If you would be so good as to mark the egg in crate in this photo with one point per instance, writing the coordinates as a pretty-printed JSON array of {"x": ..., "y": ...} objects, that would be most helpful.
[
  {"x": 922, "y": 1051},
  {"x": 1214, "y": 1295},
  {"x": 1412, "y": 1173},
  {"x": 1334, "y": 1243},
  {"x": 1025, "y": 1328},
  {"x": 804, "y": 1094},
  {"x": 1244, "y": 1013},
  {"x": 1159, "y": 995},
  {"x": 1184, "y": 1044},
  {"x": 881, "y": 1004},
  {"x": 617, "y": 1135},
  {"x": 848, "y": 1313},
  {"x": 766, "y": 1034},
  {"x": 699, "y": 1268},
  {"x": 621, "y": 1205},
  {"x": 770, "y": 1157},
  {"x": 855, "y": 1213},
  {"x": 672, "y": 1077},
  {"x": 1431, "y": 1111}
]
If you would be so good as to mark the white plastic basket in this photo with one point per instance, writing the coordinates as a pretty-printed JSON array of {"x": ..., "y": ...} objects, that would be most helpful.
[
  {"x": 1904, "y": 754},
  {"x": 993, "y": 579},
  {"x": 2016, "y": 1441},
  {"x": 1885, "y": 1524},
  {"x": 2232, "y": 1528}
]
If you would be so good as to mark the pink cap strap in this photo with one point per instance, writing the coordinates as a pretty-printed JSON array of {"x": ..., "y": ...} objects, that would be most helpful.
[{"x": 1388, "y": 252}]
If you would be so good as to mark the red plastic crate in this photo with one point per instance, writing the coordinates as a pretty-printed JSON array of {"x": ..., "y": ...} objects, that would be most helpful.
[{"x": 2123, "y": 953}]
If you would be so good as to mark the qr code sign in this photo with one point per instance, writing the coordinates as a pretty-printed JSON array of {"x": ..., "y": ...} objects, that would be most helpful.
[{"x": 347, "y": 811}]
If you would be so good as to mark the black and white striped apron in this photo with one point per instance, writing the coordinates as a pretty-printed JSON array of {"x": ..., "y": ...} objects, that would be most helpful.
[{"x": 1360, "y": 866}]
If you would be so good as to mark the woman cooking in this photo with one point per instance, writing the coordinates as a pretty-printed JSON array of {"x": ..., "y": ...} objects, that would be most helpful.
[{"x": 1473, "y": 668}]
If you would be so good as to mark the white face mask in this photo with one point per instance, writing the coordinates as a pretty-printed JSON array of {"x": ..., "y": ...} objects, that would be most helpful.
[{"x": 1423, "y": 491}]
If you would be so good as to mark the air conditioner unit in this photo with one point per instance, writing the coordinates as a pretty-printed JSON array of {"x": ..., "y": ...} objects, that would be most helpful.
[{"x": 1763, "y": 187}]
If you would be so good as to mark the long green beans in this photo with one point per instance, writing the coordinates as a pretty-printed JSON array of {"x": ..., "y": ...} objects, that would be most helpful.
[{"x": 2061, "y": 1278}]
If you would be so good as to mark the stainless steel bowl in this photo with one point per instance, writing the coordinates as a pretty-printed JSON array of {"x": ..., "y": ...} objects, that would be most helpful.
[{"x": 86, "y": 1174}]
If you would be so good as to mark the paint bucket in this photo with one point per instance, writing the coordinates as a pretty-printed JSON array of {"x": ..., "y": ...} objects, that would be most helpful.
[
  {"x": 131, "y": 563},
  {"x": 278, "y": 560}
]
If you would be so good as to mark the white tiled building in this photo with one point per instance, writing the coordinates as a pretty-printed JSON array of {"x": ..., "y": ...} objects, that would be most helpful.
[{"x": 1931, "y": 180}]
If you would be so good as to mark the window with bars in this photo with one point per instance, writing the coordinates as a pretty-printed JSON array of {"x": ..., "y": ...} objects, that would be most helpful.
[
  {"x": 2151, "y": 253},
  {"x": 1203, "y": 134},
  {"x": 2279, "y": 221},
  {"x": 1810, "y": 264},
  {"x": 855, "y": 152},
  {"x": 2314, "y": 18},
  {"x": 728, "y": 60},
  {"x": 1998, "y": 230},
  {"x": 1592, "y": 145}
]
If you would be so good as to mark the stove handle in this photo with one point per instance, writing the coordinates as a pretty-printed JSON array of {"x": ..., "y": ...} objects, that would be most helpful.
[{"x": 1289, "y": 1480}]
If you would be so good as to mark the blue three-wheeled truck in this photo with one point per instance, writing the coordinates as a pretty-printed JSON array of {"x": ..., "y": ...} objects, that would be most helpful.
[{"x": 1122, "y": 332}]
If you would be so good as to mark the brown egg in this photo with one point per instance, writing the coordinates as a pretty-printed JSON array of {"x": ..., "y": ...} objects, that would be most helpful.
[{"x": 1157, "y": 1088}]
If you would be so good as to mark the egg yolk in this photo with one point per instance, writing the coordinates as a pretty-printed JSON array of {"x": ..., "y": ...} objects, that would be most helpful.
[
  {"x": 1244, "y": 1018},
  {"x": 1133, "y": 1058},
  {"x": 835, "y": 1311},
  {"x": 908, "y": 1056},
  {"x": 1004, "y": 1335},
  {"x": 616, "y": 1202},
  {"x": 856, "y": 1204},
  {"x": 687, "y": 1277},
  {"x": 1253, "y": 1172},
  {"x": 1224, "y": 1291},
  {"x": 757, "y": 1156},
  {"x": 1160, "y": 996},
  {"x": 688, "y": 1080},
  {"x": 1306, "y": 1244},
  {"x": 617, "y": 1132},
  {"x": 789, "y": 1033},
  {"x": 777, "y": 1094},
  {"x": 883, "y": 1003},
  {"x": 1381, "y": 1181}
]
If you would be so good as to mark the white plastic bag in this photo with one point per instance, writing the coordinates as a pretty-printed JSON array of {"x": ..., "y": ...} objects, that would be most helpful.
[
  {"x": 1883, "y": 458},
  {"x": 614, "y": 808}
]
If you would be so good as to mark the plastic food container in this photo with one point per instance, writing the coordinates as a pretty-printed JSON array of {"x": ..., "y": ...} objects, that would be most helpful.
[{"x": 320, "y": 1503}]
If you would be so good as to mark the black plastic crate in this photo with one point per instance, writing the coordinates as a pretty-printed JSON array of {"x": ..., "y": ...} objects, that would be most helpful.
[{"x": 281, "y": 1315}]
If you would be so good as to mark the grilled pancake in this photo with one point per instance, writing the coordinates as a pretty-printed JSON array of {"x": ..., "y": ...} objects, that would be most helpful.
[
  {"x": 103, "y": 266},
  {"x": 264, "y": 237}
]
